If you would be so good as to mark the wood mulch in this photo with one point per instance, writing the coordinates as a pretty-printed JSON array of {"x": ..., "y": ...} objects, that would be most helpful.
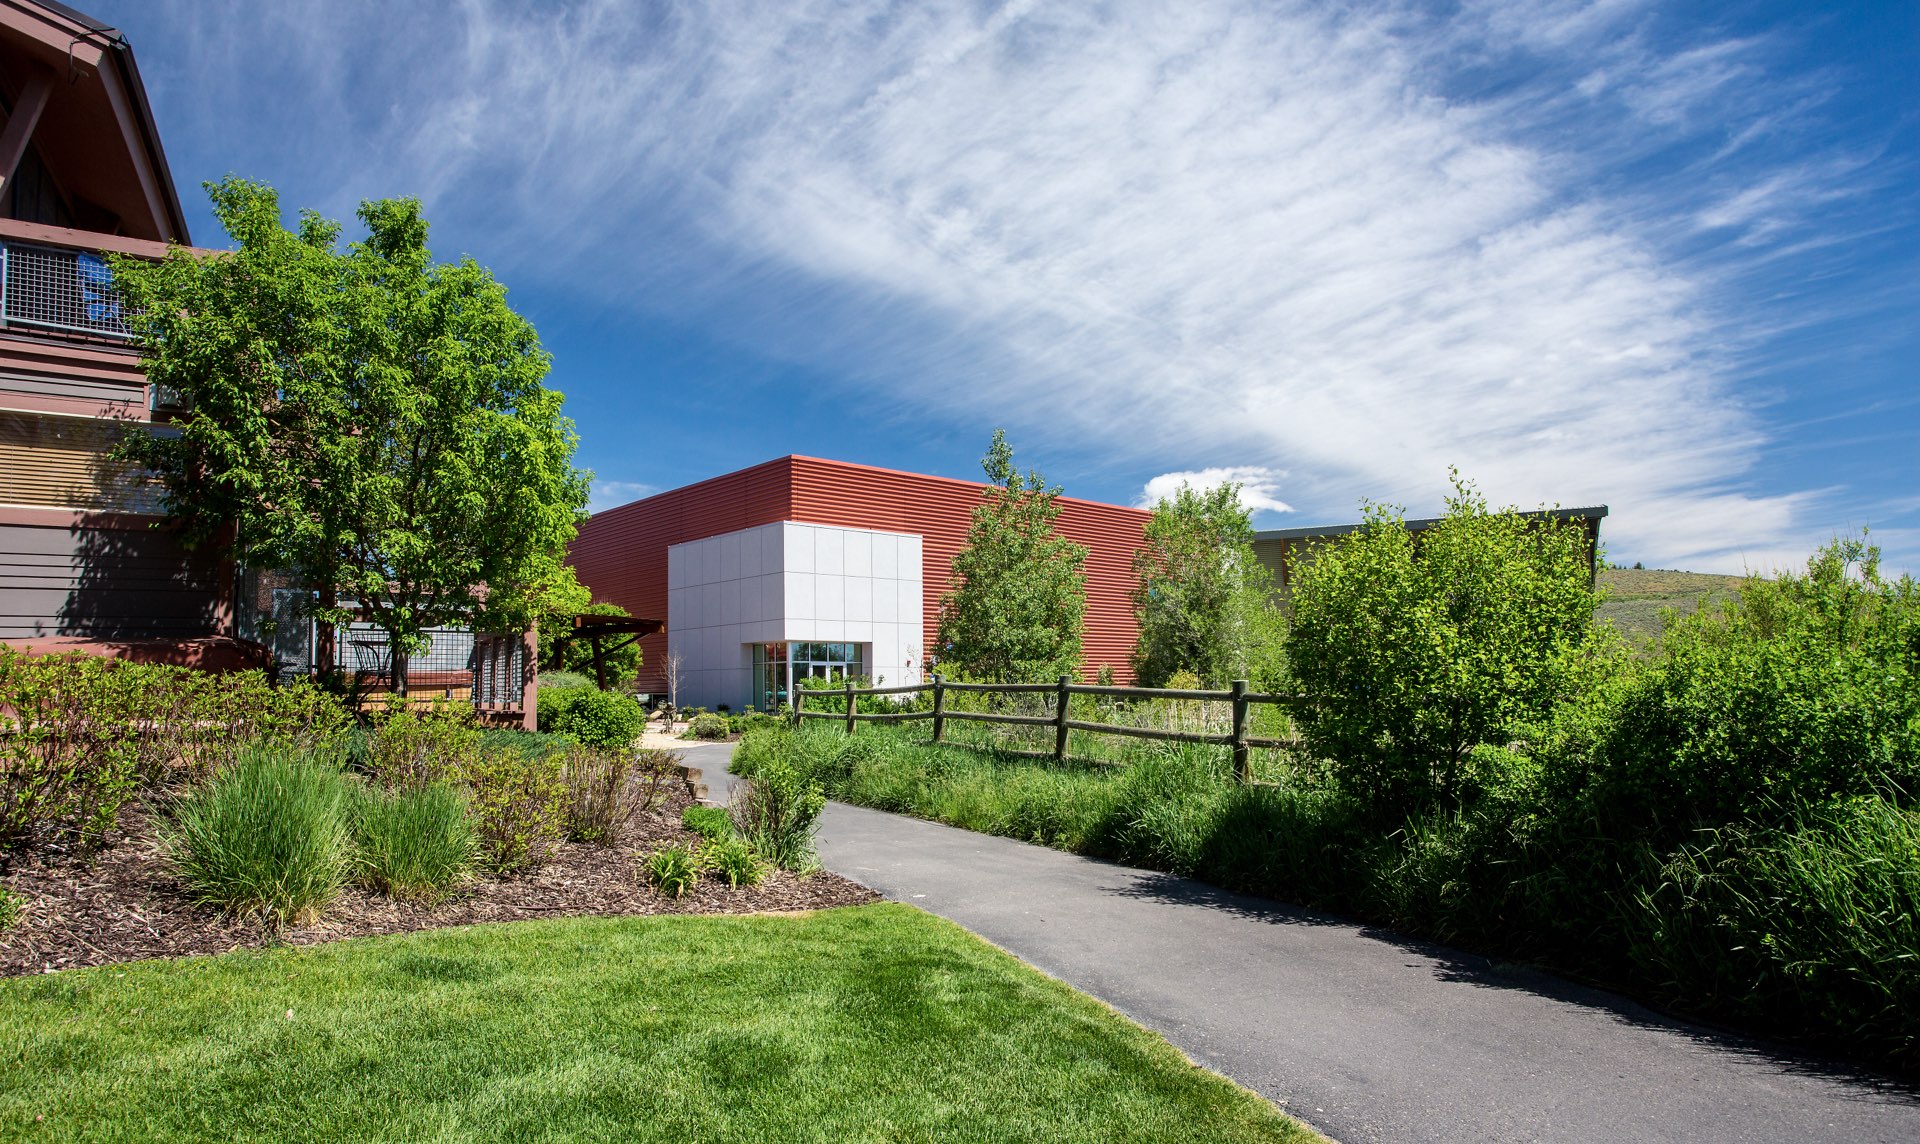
[{"x": 123, "y": 905}]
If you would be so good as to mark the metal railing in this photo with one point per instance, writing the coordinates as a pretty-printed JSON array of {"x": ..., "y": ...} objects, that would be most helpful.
[{"x": 59, "y": 289}]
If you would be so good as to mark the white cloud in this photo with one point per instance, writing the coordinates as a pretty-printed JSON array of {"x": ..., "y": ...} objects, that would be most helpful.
[
  {"x": 612, "y": 494},
  {"x": 1259, "y": 487},
  {"x": 1195, "y": 232}
]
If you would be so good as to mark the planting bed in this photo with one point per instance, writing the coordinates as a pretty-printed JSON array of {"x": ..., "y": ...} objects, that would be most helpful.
[{"x": 125, "y": 905}]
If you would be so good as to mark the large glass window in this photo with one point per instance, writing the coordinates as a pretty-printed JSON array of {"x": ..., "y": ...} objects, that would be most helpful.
[{"x": 777, "y": 666}]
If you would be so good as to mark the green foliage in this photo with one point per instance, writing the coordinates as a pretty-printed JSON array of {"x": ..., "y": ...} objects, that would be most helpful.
[
  {"x": 1414, "y": 651},
  {"x": 411, "y": 748},
  {"x": 595, "y": 718},
  {"x": 519, "y": 807},
  {"x": 606, "y": 790},
  {"x": 733, "y": 860},
  {"x": 363, "y": 417},
  {"x": 1204, "y": 601},
  {"x": 556, "y": 681},
  {"x": 776, "y": 811},
  {"x": 413, "y": 843},
  {"x": 13, "y": 907},
  {"x": 673, "y": 870},
  {"x": 1795, "y": 691},
  {"x": 712, "y": 823},
  {"x": 709, "y": 726},
  {"x": 79, "y": 733},
  {"x": 267, "y": 837},
  {"x": 1020, "y": 603},
  {"x": 575, "y": 656}
]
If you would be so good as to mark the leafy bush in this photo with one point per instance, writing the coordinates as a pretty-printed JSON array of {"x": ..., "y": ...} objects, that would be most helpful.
[
  {"x": 593, "y": 717},
  {"x": 709, "y": 727},
  {"x": 776, "y": 812},
  {"x": 524, "y": 742},
  {"x": 1413, "y": 654},
  {"x": 413, "y": 842},
  {"x": 734, "y": 860},
  {"x": 266, "y": 837},
  {"x": 563, "y": 681},
  {"x": 519, "y": 807},
  {"x": 672, "y": 870},
  {"x": 712, "y": 823},
  {"x": 606, "y": 789},
  {"x": 78, "y": 733},
  {"x": 410, "y": 748},
  {"x": 12, "y": 907}
]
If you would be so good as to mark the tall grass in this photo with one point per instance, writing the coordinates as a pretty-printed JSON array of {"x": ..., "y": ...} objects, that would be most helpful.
[
  {"x": 413, "y": 843},
  {"x": 1810, "y": 929},
  {"x": 267, "y": 836}
]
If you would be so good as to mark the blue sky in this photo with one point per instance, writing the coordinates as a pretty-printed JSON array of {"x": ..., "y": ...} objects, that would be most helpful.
[{"x": 1588, "y": 252}]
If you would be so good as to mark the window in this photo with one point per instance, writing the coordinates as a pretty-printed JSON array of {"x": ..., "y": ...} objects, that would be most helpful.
[{"x": 777, "y": 665}]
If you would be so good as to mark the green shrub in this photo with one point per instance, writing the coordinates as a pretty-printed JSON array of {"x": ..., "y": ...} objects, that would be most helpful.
[
  {"x": 776, "y": 813},
  {"x": 607, "y": 789},
  {"x": 78, "y": 733},
  {"x": 733, "y": 860},
  {"x": 1412, "y": 655},
  {"x": 13, "y": 907},
  {"x": 411, "y": 748},
  {"x": 413, "y": 842},
  {"x": 524, "y": 742},
  {"x": 554, "y": 681},
  {"x": 709, "y": 727},
  {"x": 266, "y": 837},
  {"x": 593, "y": 717},
  {"x": 712, "y": 823},
  {"x": 673, "y": 870},
  {"x": 519, "y": 807}
]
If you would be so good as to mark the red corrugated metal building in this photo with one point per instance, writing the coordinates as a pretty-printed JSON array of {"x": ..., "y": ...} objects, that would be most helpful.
[{"x": 745, "y": 571}]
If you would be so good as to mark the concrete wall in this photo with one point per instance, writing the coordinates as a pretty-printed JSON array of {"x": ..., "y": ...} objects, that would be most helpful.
[{"x": 786, "y": 582}]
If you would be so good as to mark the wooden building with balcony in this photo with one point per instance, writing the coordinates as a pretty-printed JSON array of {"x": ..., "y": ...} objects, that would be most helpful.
[{"x": 86, "y": 561}]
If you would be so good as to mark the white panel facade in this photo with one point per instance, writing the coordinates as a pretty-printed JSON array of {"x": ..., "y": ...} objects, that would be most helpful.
[{"x": 790, "y": 582}]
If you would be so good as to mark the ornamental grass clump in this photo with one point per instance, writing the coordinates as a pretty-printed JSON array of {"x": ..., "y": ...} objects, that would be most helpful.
[
  {"x": 268, "y": 836},
  {"x": 413, "y": 844},
  {"x": 673, "y": 870}
]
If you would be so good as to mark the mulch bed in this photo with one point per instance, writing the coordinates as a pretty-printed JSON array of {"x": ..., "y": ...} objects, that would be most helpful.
[{"x": 123, "y": 905}]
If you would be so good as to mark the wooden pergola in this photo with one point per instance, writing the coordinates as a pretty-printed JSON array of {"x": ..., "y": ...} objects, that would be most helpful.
[{"x": 606, "y": 634}]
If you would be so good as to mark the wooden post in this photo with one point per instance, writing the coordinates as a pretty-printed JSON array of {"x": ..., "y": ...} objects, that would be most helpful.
[
  {"x": 850, "y": 702},
  {"x": 799, "y": 696},
  {"x": 1060, "y": 719},
  {"x": 1242, "y": 763},
  {"x": 939, "y": 707}
]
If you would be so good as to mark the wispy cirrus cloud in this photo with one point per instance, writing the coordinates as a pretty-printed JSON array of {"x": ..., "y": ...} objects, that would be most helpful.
[
  {"x": 611, "y": 494},
  {"x": 1228, "y": 237}
]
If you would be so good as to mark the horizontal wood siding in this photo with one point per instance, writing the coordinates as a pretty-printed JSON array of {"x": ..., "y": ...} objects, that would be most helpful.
[
  {"x": 116, "y": 583},
  {"x": 63, "y": 462},
  {"x": 621, "y": 554}
]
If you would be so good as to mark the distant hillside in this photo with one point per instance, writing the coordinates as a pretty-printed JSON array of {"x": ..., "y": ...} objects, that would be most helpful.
[{"x": 1634, "y": 597}]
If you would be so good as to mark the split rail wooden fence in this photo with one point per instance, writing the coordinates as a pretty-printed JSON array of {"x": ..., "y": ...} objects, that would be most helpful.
[{"x": 1240, "y": 697}]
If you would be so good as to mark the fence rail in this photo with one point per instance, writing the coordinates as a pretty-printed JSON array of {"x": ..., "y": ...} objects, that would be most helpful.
[{"x": 1239, "y": 697}]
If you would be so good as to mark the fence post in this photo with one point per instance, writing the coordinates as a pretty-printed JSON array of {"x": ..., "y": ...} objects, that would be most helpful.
[
  {"x": 1242, "y": 765},
  {"x": 799, "y": 696},
  {"x": 1060, "y": 719},
  {"x": 849, "y": 706},
  {"x": 939, "y": 707}
]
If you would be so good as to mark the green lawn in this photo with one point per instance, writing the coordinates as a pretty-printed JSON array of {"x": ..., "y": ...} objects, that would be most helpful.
[{"x": 871, "y": 1023}]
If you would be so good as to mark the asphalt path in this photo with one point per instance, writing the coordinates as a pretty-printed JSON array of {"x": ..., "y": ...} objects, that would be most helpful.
[{"x": 1364, "y": 1034}]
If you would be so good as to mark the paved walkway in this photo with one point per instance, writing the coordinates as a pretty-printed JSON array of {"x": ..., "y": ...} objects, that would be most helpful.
[{"x": 1368, "y": 1036}]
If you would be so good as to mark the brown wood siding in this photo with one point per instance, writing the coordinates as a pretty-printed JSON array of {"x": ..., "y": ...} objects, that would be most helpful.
[
  {"x": 102, "y": 583},
  {"x": 64, "y": 462}
]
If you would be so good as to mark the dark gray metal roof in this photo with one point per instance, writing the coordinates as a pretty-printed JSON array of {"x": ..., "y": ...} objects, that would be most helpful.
[{"x": 1312, "y": 532}]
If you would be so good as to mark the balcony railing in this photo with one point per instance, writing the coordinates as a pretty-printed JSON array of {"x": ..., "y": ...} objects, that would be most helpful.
[{"x": 61, "y": 290}]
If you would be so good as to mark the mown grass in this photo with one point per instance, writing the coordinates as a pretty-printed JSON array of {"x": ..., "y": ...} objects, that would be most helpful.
[{"x": 869, "y": 1023}]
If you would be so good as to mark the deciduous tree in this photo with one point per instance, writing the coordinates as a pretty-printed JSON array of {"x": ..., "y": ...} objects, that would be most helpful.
[
  {"x": 1019, "y": 602},
  {"x": 360, "y": 415},
  {"x": 1203, "y": 600}
]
